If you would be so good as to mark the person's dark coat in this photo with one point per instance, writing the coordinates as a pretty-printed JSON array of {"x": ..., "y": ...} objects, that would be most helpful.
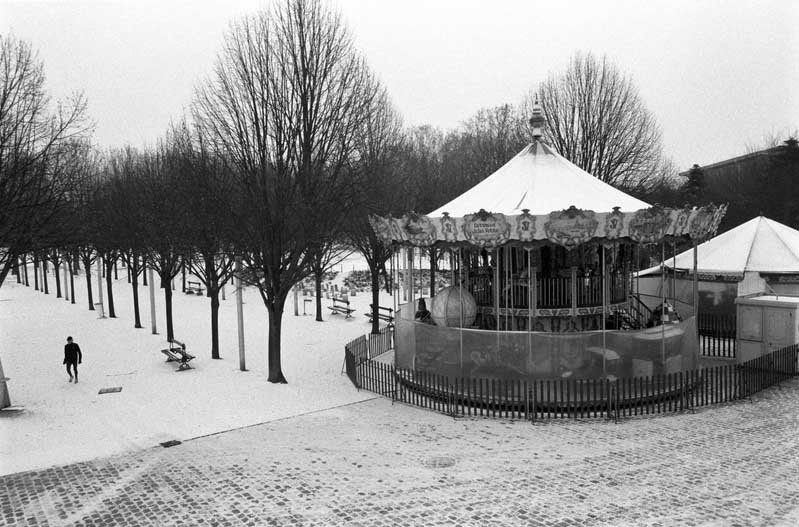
[{"x": 72, "y": 354}]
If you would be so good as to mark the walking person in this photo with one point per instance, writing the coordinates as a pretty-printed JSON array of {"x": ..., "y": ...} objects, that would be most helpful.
[{"x": 72, "y": 357}]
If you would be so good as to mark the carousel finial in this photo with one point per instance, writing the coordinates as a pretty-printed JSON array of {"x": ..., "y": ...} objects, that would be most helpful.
[{"x": 537, "y": 121}]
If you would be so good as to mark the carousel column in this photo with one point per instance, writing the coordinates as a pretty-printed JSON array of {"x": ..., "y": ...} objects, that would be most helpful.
[
  {"x": 393, "y": 274},
  {"x": 460, "y": 295},
  {"x": 663, "y": 303},
  {"x": 534, "y": 295},
  {"x": 574, "y": 296},
  {"x": 421, "y": 276},
  {"x": 507, "y": 289},
  {"x": 403, "y": 267},
  {"x": 674, "y": 274},
  {"x": 604, "y": 312},
  {"x": 496, "y": 290},
  {"x": 451, "y": 267},
  {"x": 696, "y": 288},
  {"x": 529, "y": 300},
  {"x": 411, "y": 278}
]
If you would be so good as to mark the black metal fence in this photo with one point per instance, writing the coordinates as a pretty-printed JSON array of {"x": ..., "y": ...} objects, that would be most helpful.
[
  {"x": 567, "y": 398},
  {"x": 717, "y": 335}
]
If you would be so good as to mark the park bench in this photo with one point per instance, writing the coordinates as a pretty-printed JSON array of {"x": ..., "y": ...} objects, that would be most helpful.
[
  {"x": 383, "y": 313},
  {"x": 194, "y": 288},
  {"x": 341, "y": 305},
  {"x": 177, "y": 353}
]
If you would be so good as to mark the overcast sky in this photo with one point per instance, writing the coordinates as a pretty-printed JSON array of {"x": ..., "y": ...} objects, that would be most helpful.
[{"x": 718, "y": 75}]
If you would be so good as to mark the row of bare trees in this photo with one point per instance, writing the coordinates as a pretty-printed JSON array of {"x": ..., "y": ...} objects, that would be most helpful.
[{"x": 287, "y": 148}]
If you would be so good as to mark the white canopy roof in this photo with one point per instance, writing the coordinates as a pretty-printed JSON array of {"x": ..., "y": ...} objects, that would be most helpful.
[
  {"x": 542, "y": 181},
  {"x": 759, "y": 245}
]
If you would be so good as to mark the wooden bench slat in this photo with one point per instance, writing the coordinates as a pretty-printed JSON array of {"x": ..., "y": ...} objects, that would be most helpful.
[
  {"x": 387, "y": 317},
  {"x": 344, "y": 309}
]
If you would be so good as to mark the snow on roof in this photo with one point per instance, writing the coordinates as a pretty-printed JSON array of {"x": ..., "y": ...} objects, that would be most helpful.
[{"x": 542, "y": 181}]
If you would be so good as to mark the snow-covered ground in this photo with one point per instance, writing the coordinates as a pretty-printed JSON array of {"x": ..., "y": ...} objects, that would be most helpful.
[{"x": 64, "y": 422}]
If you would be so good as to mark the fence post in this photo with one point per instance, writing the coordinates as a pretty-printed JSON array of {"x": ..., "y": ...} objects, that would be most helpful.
[
  {"x": 535, "y": 405},
  {"x": 526, "y": 401},
  {"x": 396, "y": 384}
]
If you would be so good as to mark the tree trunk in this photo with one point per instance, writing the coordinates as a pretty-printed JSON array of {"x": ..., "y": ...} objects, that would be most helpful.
[
  {"x": 71, "y": 283},
  {"x": 375, "y": 272},
  {"x": 109, "y": 285},
  {"x": 183, "y": 276},
  {"x": 10, "y": 262},
  {"x": 25, "y": 269},
  {"x": 318, "y": 274},
  {"x": 166, "y": 283},
  {"x": 88, "y": 266},
  {"x": 275, "y": 310},
  {"x": 44, "y": 277},
  {"x": 133, "y": 275},
  {"x": 57, "y": 267},
  {"x": 214, "y": 293}
]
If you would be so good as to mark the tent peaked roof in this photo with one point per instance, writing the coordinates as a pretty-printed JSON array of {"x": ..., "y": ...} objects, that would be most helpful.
[
  {"x": 540, "y": 180},
  {"x": 759, "y": 245}
]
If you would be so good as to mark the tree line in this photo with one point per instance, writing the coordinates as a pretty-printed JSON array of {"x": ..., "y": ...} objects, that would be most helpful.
[{"x": 289, "y": 144}]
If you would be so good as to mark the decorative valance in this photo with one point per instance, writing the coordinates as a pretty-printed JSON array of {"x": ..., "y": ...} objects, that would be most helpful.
[{"x": 568, "y": 228}]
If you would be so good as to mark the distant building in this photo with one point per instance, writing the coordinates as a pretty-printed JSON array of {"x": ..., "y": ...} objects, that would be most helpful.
[
  {"x": 762, "y": 182},
  {"x": 745, "y": 164}
]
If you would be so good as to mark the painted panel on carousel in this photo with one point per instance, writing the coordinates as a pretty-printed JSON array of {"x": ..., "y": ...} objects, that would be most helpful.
[
  {"x": 649, "y": 225},
  {"x": 419, "y": 229},
  {"x": 485, "y": 229},
  {"x": 571, "y": 227},
  {"x": 449, "y": 228},
  {"x": 680, "y": 223},
  {"x": 614, "y": 223},
  {"x": 525, "y": 226},
  {"x": 702, "y": 222}
]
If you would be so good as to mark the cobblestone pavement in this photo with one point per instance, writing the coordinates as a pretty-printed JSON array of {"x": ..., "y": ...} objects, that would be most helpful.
[{"x": 374, "y": 464}]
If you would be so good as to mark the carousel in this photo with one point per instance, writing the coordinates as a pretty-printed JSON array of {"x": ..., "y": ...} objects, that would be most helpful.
[{"x": 542, "y": 258}]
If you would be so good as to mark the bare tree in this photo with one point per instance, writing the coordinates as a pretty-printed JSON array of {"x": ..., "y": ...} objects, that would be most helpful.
[
  {"x": 380, "y": 145},
  {"x": 422, "y": 163},
  {"x": 597, "y": 120},
  {"x": 325, "y": 257},
  {"x": 36, "y": 145},
  {"x": 481, "y": 145},
  {"x": 123, "y": 209},
  {"x": 165, "y": 219},
  {"x": 205, "y": 181},
  {"x": 287, "y": 96}
]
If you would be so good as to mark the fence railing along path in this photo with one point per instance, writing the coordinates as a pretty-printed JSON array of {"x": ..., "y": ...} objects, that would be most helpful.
[
  {"x": 717, "y": 335},
  {"x": 563, "y": 398}
]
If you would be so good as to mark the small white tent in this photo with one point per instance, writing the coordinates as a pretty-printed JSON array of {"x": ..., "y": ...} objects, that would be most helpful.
[{"x": 758, "y": 256}]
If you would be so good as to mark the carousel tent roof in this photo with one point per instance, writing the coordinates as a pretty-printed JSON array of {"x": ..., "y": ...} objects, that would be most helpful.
[
  {"x": 759, "y": 245},
  {"x": 542, "y": 181}
]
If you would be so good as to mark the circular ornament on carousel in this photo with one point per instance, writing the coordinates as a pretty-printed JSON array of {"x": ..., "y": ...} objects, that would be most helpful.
[{"x": 447, "y": 306}]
